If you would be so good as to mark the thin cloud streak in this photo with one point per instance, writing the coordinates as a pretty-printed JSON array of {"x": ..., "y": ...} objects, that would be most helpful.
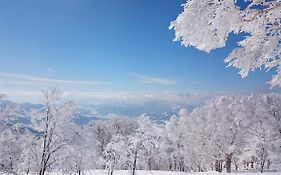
[
  {"x": 153, "y": 80},
  {"x": 11, "y": 78},
  {"x": 126, "y": 97},
  {"x": 137, "y": 97}
]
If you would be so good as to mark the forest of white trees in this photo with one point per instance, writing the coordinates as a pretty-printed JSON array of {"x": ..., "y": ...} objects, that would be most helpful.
[{"x": 228, "y": 133}]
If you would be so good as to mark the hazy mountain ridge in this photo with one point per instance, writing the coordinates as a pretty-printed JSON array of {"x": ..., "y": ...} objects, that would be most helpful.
[{"x": 156, "y": 110}]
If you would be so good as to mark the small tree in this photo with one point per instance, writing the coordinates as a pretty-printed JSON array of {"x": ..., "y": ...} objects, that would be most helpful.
[
  {"x": 115, "y": 155},
  {"x": 9, "y": 142},
  {"x": 142, "y": 143}
]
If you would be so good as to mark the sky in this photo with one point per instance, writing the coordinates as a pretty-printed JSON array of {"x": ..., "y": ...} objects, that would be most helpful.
[{"x": 109, "y": 49}]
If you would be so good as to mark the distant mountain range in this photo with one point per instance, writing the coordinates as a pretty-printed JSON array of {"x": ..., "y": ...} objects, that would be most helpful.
[{"x": 157, "y": 110}]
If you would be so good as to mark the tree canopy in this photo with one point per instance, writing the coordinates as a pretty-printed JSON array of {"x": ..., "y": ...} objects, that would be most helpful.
[{"x": 206, "y": 25}]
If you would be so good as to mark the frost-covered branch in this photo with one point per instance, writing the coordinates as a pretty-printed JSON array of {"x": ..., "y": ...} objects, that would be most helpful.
[{"x": 206, "y": 25}]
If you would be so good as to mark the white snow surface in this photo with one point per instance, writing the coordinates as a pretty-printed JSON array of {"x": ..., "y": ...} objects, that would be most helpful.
[{"x": 145, "y": 172}]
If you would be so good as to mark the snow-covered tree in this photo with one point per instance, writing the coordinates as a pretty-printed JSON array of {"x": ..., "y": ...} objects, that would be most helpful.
[
  {"x": 223, "y": 129},
  {"x": 101, "y": 133},
  {"x": 197, "y": 159},
  {"x": 28, "y": 159},
  {"x": 10, "y": 150},
  {"x": 228, "y": 131},
  {"x": 175, "y": 144},
  {"x": 142, "y": 144},
  {"x": 115, "y": 155},
  {"x": 9, "y": 139},
  {"x": 263, "y": 133},
  {"x": 260, "y": 143},
  {"x": 7, "y": 111},
  {"x": 206, "y": 25},
  {"x": 54, "y": 124},
  {"x": 77, "y": 155}
]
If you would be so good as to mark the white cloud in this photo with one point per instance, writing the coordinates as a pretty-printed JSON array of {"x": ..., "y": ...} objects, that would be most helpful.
[
  {"x": 138, "y": 97},
  {"x": 26, "y": 88},
  {"x": 126, "y": 97},
  {"x": 18, "y": 79},
  {"x": 153, "y": 80}
]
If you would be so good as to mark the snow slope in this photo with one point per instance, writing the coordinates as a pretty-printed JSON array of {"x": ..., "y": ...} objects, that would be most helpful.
[
  {"x": 145, "y": 172},
  {"x": 125, "y": 172}
]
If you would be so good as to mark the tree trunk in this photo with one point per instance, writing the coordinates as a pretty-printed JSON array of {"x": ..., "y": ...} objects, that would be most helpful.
[
  {"x": 218, "y": 166},
  {"x": 78, "y": 170},
  {"x": 11, "y": 164},
  {"x": 228, "y": 163},
  {"x": 135, "y": 163},
  {"x": 149, "y": 164},
  {"x": 28, "y": 167},
  {"x": 41, "y": 172},
  {"x": 111, "y": 172},
  {"x": 252, "y": 164},
  {"x": 268, "y": 164},
  {"x": 45, "y": 144},
  {"x": 262, "y": 165}
]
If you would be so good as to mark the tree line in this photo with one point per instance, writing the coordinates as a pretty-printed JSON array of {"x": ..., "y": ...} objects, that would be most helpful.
[{"x": 227, "y": 133}]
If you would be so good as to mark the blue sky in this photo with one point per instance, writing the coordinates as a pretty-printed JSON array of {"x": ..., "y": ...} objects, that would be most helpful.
[{"x": 108, "y": 46}]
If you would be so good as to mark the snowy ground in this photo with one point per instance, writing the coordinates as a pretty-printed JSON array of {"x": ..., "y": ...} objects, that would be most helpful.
[
  {"x": 144, "y": 172},
  {"x": 102, "y": 172}
]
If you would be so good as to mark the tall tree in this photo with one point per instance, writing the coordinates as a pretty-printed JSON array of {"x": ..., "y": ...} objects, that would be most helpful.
[{"x": 54, "y": 123}]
